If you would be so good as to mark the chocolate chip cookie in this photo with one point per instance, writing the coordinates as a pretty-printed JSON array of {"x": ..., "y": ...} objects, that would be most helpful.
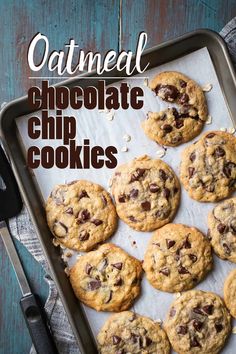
[
  {"x": 128, "y": 332},
  {"x": 81, "y": 214},
  {"x": 175, "y": 126},
  {"x": 208, "y": 167},
  {"x": 222, "y": 229},
  {"x": 177, "y": 258},
  {"x": 107, "y": 279},
  {"x": 230, "y": 292},
  {"x": 198, "y": 322},
  {"x": 146, "y": 193}
]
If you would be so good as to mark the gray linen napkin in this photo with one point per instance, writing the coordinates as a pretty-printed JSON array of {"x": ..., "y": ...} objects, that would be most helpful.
[{"x": 22, "y": 229}]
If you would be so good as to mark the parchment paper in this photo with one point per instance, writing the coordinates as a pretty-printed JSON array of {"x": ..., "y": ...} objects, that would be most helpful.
[{"x": 95, "y": 126}]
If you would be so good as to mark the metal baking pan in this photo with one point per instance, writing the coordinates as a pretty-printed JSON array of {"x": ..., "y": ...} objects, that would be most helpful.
[{"x": 156, "y": 56}]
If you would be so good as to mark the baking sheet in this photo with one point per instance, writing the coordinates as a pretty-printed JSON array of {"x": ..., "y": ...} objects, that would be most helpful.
[{"x": 97, "y": 127}]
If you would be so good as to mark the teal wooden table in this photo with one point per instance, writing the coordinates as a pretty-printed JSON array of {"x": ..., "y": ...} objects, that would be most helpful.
[{"x": 96, "y": 25}]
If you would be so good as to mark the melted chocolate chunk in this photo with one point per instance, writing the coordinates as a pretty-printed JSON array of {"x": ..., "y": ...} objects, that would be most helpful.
[
  {"x": 132, "y": 218},
  {"x": 194, "y": 342},
  {"x": 118, "y": 265},
  {"x": 109, "y": 297},
  {"x": 97, "y": 222},
  {"x": 153, "y": 187},
  {"x": 191, "y": 171},
  {"x": 183, "y": 98},
  {"x": 94, "y": 284},
  {"x": 133, "y": 193},
  {"x": 165, "y": 271},
  {"x": 175, "y": 190},
  {"x": 197, "y": 325},
  {"x": 210, "y": 188},
  {"x": 233, "y": 225},
  {"x": 167, "y": 92},
  {"x": 69, "y": 211},
  {"x": 167, "y": 128},
  {"x": 219, "y": 327},
  {"x": 210, "y": 135},
  {"x": 198, "y": 310},
  {"x": 84, "y": 235},
  {"x": 182, "y": 83},
  {"x": 163, "y": 176},
  {"x": 221, "y": 228},
  {"x": 208, "y": 309},
  {"x": 219, "y": 152},
  {"x": 182, "y": 330},
  {"x": 170, "y": 243},
  {"x": 148, "y": 341},
  {"x": 186, "y": 243},
  {"x": 179, "y": 123},
  {"x": 116, "y": 340},
  {"x": 166, "y": 193},
  {"x": 88, "y": 268},
  {"x": 137, "y": 174},
  {"x": 192, "y": 156},
  {"x": 118, "y": 282},
  {"x": 183, "y": 270},
  {"x": 228, "y": 167},
  {"x": 83, "y": 194},
  {"x": 83, "y": 216},
  {"x": 175, "y": 113},
  {"x": 146, "y": 206},
  {"x": 193, "y": 257},
  {"x": 122, "y": 198}
]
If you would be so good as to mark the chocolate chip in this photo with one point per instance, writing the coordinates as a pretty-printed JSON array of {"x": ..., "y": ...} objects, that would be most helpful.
[
  {"x": 69, "y": 211},
  {"x": 218, "y": 327},
  {"x": 104, "y": 200},
  {"x": 167, "y": 92},
  {"x": 219, "y": 152},
  {"x": 179, "y": 123},
  {"x": 121, "y": 198},
  {"x": 167, "y": 128},
  {"x": 83, "y": 194},
  {"x": 175, "y": 113},
  {"x": 208, "y": 309},
  {"x": 116, "y": 340},
  {"x": 182, "y": 270},
  {"x": 226, "y": 248},
  {"x": 193, "y": 257},
  {"x": 233, "y": 225},
  {"x": 137, "y": 174},
  {"x": 133, "y": 193},
  {"x": 182, "y": 330},
  {"x": 194, "y": 342},
  {"x": 186, "y": 243},
  {"x": 227, "y": 169},
  {"x": 183, "y": 98},
  {"x": 153, "y": 187},
  {"x": 197, "y": 325},
  {"x": 172, "y": 312},
  {"x": 210, "y": 188},
  {"x": 88, "y": 268},
  {"x": 170, "y": 243},
  {"x": 221, "y": 228},
  {"x": 163, "y": 176},
  {"x": 182, "y": 83},
  {"x": 175, "y": 190},
  {"x": 148, "y": 341},
  {"x": 146, "y": 206},
  {"x": 118, "y": 265},
  {"x": 132, "y": 218},
  {"x": 83, "y": 216},
  {"x": 163, "y": 116},
  {"x": 210, "y": 135},
  {"x": 118, "y": 282},
  {"x": 198, "y": 310},
  {"x": 60, "y": 229},
  {"x": 84, "y": 235},
  {"x": 97, "y": 222},
  {"x": 192, "y": 156},
  {"x": 109, "y": 297},
  {"x": 191, "y": 171},
  {"x": 94, "y": 284},
  {"x": 165, "y": 271},
  {"x": 166, "y": 193}
]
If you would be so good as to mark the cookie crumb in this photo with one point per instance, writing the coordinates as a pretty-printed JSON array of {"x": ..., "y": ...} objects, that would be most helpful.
[
  {"x": 209, "y": 119},
  {"x": 124, "y": 149},
  {"x": 62, "y": 247},
  {"x": 110, "y": 115},
  {"x": 159, "y": 321},
  {"x": 231, "y": 130},
  {"x": 177, "y": 295},
  {"x": 104, "y": 110},
  {"x": 207, "y": 87},
  {"x": 68, "y": 254},
  {"x": 234, "y": 330},
  {"x": 160, "y": 152},
  {"x": 55, "y": 242},
  {"x": 145, "y": 82},
  {"x": 67, "y": 271},
  {"x": 127, "y": 137},
  {"x": 223, "y": 129}
]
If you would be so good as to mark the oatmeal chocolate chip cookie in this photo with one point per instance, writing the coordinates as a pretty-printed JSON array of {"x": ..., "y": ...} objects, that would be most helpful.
[
  {"x": 208, "y": 167},
  {"x": 146, "y": 193},
  {"x": 81, "y": 214},
  {"x": 107, "y": 279},
  {"x": 230, "y": 292},
  {"x": 222, "y": 229},
  {"x": 128, "y": 332},
  {"x": 176, "y": 126},
  {"x": 177, "y": 258},
  {"x": 198, "y": 322}
]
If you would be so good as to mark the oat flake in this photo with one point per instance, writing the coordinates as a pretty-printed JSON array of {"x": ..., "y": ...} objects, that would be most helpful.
[
  {"x": 207, "y": 87},
  {"x": 209, "y": 119}
]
